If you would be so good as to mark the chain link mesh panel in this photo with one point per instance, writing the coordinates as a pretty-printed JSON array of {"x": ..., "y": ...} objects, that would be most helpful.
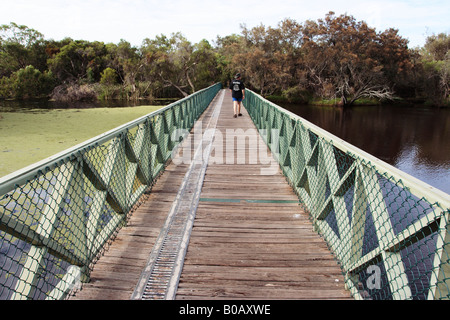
[
  {"x": 388, "y": 230},
  {"x": 58, "y": 215}
]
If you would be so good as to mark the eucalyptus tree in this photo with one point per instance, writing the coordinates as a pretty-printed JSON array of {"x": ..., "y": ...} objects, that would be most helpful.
[
  {"x": 20, "y": 46},
  {"x": 176, "y": 62},
  {"x": 260, "y": 60},
  {"x": 347, "y": 59},
  {"x": 202, "y": 69},
  {"x": 79, "y": 61},
  {"x": 128, "y": 63},
  {"x": 161, "y": 65},
  {"x": 226, "y": 49}
]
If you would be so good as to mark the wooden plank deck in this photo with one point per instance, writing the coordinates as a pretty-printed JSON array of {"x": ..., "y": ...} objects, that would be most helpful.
[{"x": 250, "y": 238}]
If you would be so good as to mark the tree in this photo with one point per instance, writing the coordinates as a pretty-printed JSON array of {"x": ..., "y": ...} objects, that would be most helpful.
[
  {"x": 202, "y": 69},
  {"x": 262, "y": 59},
  {"x": 158, "y": 61},
  {"x": 396, "y": 59},
  {"x": 336, "y": 57},
  {"x": 176, "y": 62},
  {"x": 126, "y": 60},
  {"x": 347, "y": 59},
  {"x": 20, "y": 46},
  {"x": 436, "y": 68},
  {"x": 108, "y": 76},
  {"x": 226, "y": 48},
  {"x": 79, "y": 61},
  {"x": 268, "y": 57},
  {"x": 28, "y": 82},
  {"x": 183, "y": 63},
  {"x": 437, "y": 47}
]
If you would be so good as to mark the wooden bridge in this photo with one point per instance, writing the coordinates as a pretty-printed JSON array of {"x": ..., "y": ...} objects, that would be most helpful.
[
  {"x": 189, "y": 202},
  {"x": 251, "y": 239}
]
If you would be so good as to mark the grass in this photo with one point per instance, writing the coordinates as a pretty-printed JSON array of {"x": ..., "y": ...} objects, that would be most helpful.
[{"x": 28, "y": 137}]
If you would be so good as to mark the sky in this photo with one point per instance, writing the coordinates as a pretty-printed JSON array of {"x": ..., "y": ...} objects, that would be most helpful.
[{"x": 110, "y": 21}]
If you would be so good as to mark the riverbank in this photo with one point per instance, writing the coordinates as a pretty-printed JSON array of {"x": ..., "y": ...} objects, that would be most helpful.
[
  {"x": 15, "y": 105},
  {"x": 360, "y": 102},
  {"x": 28, "y": 137}
]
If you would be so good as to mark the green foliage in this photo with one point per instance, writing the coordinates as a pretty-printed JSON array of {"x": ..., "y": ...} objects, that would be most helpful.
[
  {"x": 177, "y": 63},
  {"x": 437, "y": 47},
  {"x": 296, "y": 95},
  {"x": 79, "y": 61},
  {"x": 108, "y": 76},
  {"x": 20, "y": 46},
  {"x": 5, "y": 88},
  {"x": 27, "y": 82},
  {"x": 20, "y": 34},
  {"x": 336, "y": 58},
  {"x": 435, "y": 80}
]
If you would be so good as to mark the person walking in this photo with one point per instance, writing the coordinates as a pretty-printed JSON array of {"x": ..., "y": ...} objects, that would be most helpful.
[{"x": 237, "y": 88}]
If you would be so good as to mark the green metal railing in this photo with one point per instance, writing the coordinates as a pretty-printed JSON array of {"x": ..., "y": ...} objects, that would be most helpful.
[
  {"x": 56, "y": 216},
  {"x": 388, "y": 230}
]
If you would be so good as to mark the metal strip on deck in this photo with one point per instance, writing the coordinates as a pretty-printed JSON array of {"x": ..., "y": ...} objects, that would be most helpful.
[
  {"x": 159, "y": 279},
  {"x": 247, "y": 200}
]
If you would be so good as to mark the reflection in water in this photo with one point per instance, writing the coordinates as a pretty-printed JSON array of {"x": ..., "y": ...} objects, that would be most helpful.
[{"x": 415, "y": 140}]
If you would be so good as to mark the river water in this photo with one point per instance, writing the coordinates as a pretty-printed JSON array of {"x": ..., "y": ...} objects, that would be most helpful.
[{"x": 414, "y": 139}]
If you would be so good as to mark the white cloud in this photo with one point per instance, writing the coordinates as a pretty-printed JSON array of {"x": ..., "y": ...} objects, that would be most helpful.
[{"x": 135, "y": 20}]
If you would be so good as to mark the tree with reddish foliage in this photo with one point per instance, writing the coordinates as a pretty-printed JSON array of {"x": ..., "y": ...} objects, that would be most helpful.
[{"x": 347, "y": 59}]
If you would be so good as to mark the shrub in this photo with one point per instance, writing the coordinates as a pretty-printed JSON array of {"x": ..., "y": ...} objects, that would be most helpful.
[
  {"x": 75, "y": 92},
  {"x": 27, "y": 82},
  {"x": 108, "y": 76},
  {"x": 296, "y": 95}
]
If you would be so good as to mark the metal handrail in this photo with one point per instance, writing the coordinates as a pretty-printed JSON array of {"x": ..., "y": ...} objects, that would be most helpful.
[
  {"x": 57, "y": 215},
  {"x": 388, "y": 230}
]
